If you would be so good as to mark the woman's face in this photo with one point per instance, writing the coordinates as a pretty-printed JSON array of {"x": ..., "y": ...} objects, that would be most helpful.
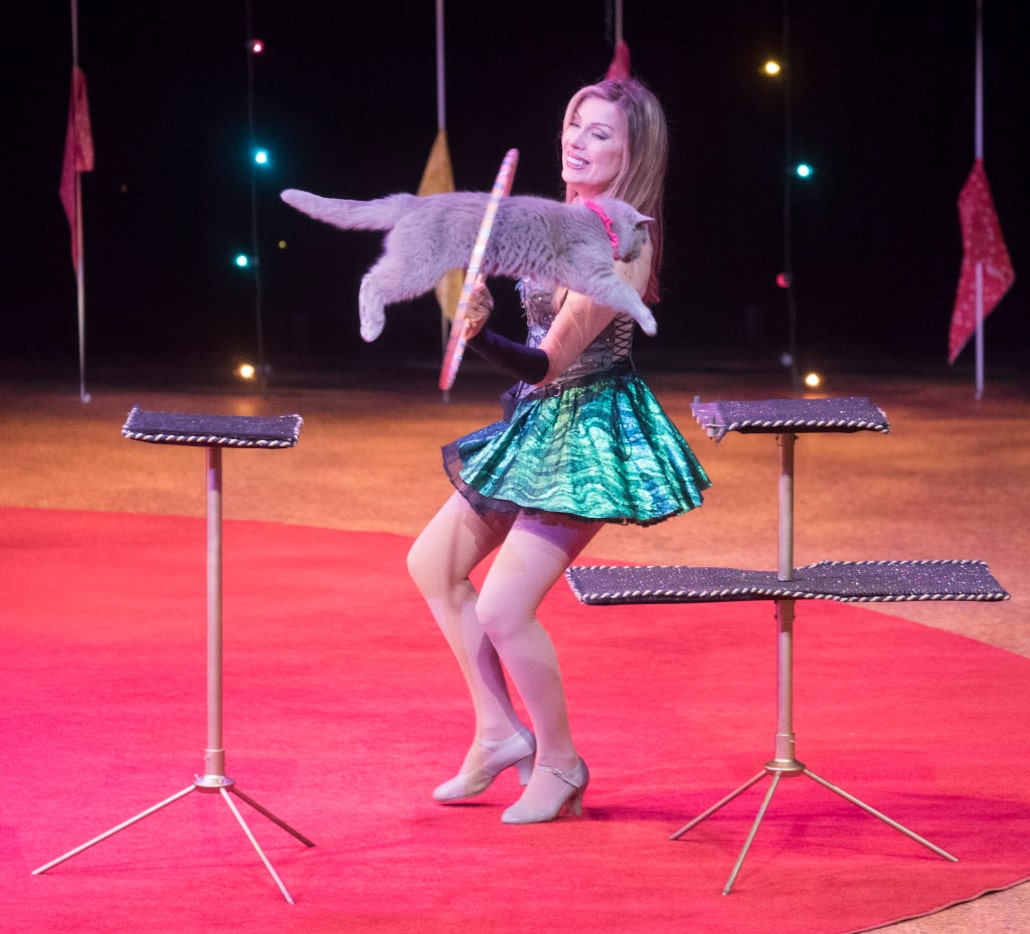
[{"x": 593, "y": 147}]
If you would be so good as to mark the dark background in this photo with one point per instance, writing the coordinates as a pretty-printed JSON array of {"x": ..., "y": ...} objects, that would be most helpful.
[{"x": 345, "y": 100}]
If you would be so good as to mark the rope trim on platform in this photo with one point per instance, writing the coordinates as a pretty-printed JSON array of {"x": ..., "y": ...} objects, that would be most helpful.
[
  {"x": 929, "y": 562},
  {"x": 858, "y": 424},
  {"x": 219, "y": 440}
]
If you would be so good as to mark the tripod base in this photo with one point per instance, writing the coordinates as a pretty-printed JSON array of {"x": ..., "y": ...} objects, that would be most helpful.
[
  {"x": 211, "y": 784},
  {"x": 778, "y": 768}
]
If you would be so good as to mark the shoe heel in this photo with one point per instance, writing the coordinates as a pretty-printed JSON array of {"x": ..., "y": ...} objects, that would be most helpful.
[
  {"x": 575, "y": 804},
  {"x": 525, "y": 769}
]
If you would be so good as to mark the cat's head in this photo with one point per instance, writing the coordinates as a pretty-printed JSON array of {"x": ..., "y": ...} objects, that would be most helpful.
[{"x": 629, "y": 226}]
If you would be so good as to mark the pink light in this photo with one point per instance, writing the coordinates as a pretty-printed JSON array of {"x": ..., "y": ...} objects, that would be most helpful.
[{"x": 256, "y": 46}]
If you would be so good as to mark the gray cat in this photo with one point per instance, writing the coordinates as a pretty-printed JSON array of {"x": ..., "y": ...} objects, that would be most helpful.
[{"x": 551, "y": 242}]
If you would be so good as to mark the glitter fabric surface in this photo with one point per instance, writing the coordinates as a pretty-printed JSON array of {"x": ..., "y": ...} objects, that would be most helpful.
[
  {"x": 848, "y": 414},
  {"x": 844, "y": 581},
  {"x": 240, "y": 431}
]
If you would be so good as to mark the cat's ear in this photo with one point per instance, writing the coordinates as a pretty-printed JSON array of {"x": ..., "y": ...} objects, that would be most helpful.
[{"x": 642, "y": 222}]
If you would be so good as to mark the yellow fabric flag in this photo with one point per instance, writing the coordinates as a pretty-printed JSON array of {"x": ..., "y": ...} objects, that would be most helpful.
[{"x": 437, "y": 179}]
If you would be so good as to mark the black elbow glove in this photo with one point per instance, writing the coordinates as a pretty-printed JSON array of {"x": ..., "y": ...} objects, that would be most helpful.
[{"x": 528, "y": 364}]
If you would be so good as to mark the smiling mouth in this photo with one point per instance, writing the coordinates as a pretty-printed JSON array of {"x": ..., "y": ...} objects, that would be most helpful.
[{"x": 574, "y": 162}]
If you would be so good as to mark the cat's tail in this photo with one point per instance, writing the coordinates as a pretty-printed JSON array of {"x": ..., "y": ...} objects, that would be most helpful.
[{"x": 381, "y": 214}]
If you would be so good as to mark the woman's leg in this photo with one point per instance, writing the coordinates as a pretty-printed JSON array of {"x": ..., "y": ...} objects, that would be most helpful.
[
  {"x": 440, "y": 561},
  {"x": 535, "y": 553}
]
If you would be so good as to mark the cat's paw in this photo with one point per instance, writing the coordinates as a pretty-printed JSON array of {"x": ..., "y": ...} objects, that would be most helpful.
[
  {"x": 370, "y": 312},
  {"x": 371, "y": 326}
]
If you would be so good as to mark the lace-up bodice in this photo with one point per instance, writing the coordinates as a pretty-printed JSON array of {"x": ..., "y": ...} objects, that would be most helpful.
[{"x": 613, "y": 346}]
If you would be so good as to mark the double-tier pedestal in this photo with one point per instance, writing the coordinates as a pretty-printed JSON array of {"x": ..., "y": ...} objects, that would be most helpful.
[{"x": 865, "y": 581}]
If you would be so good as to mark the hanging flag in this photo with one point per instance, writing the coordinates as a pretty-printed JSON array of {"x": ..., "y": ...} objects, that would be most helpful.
[
  {"x": 438, "y": 178},
  {"x": 982, "y": 242},
  {"x": 618, "y": 70},
  {"x": 78, "y": 154}
]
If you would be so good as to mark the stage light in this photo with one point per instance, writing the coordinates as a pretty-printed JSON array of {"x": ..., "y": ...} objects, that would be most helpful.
[
  {"x": 783, "y": 280},
  {"x": 246, "y": 371},
  {"x": 261, "y": 156},
  {"x": 803, "y": 170},
  {"x": 771, "y": 68},
  {"x": 242, "y": 260},
  {"x": 256, "y": 46},
  {"x": 813, "y": 380}
]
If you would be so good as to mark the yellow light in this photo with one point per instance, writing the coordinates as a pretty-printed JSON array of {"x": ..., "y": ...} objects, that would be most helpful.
[
  {"x": 771, "y": 68},
  {"x": 813, "y": 380},
  {"x": 246, "y": 371}
]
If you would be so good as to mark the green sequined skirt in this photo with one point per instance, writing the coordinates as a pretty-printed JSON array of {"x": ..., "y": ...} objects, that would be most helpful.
[{"x": 604, "y": 451}]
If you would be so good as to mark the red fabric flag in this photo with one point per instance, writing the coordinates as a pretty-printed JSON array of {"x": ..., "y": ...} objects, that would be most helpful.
[
  {"x": 78, "y": 153},
  {"x": 619, "y": 67},
  {"x": 982, "y": 242}
]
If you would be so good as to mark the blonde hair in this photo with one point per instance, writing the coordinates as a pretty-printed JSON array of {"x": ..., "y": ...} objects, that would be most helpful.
[{"x": 641, "y": 179}]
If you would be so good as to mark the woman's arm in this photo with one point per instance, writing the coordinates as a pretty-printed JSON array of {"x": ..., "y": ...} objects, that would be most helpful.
[{"x": 526, "y": 364}]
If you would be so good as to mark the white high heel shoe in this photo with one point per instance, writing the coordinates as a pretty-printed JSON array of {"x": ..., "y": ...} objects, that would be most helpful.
[
  {"x": 568, "y": 796},
  {"x": 517, "y": 750}
]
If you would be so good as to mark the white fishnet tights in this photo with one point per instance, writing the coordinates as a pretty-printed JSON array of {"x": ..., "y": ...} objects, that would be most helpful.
[{"x": 500, "y": 625}]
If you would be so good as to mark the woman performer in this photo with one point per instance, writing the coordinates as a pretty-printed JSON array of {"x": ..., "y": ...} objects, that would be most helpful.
[{"x": 585, "y": 443}]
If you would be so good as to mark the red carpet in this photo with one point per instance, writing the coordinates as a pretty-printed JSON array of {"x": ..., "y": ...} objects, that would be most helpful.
[{"x": 343, "y": 709}]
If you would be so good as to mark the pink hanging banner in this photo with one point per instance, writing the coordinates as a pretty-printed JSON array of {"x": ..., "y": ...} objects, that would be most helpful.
[
  {"x": 78, "y": 154},
  {"x": 982, "y": 243}
]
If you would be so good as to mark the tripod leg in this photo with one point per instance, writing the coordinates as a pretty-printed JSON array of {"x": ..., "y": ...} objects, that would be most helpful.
[
  {"x": 275, "y": 820},
  {"x": 114, "y": 830},
  {"x": 253, "y": 840},
  {"x": 715, "y": 807},
  {"x": 751, "y": 835},
  {"x": 871, "y": 810}
]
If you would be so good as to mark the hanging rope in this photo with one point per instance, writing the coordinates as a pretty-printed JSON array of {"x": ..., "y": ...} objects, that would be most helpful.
[
  {"x": 437, "y": 178},
  {"x": 619, "y": 67}
]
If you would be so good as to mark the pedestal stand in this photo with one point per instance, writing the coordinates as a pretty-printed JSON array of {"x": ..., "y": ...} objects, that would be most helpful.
[
  {"x": 844, "y": 581},
  {"x": 213, "y": 433}
]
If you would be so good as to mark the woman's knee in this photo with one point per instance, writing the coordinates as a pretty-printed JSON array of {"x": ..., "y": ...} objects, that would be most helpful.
[
  {"x": 502, "y": 615},
  {"x": 422, "y": 565}
]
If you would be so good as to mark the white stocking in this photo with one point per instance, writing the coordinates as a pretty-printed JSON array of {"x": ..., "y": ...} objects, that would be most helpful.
[
  {"x": 450, "y": 546},
  {"x": 535, "y": 553}
]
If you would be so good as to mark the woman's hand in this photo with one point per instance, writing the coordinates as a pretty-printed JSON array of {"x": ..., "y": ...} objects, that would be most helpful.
[{"x": 481, "y": 304}]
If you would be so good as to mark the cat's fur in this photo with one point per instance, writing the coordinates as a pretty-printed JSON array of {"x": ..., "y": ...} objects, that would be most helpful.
[{"x": 548, "y": 241}]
